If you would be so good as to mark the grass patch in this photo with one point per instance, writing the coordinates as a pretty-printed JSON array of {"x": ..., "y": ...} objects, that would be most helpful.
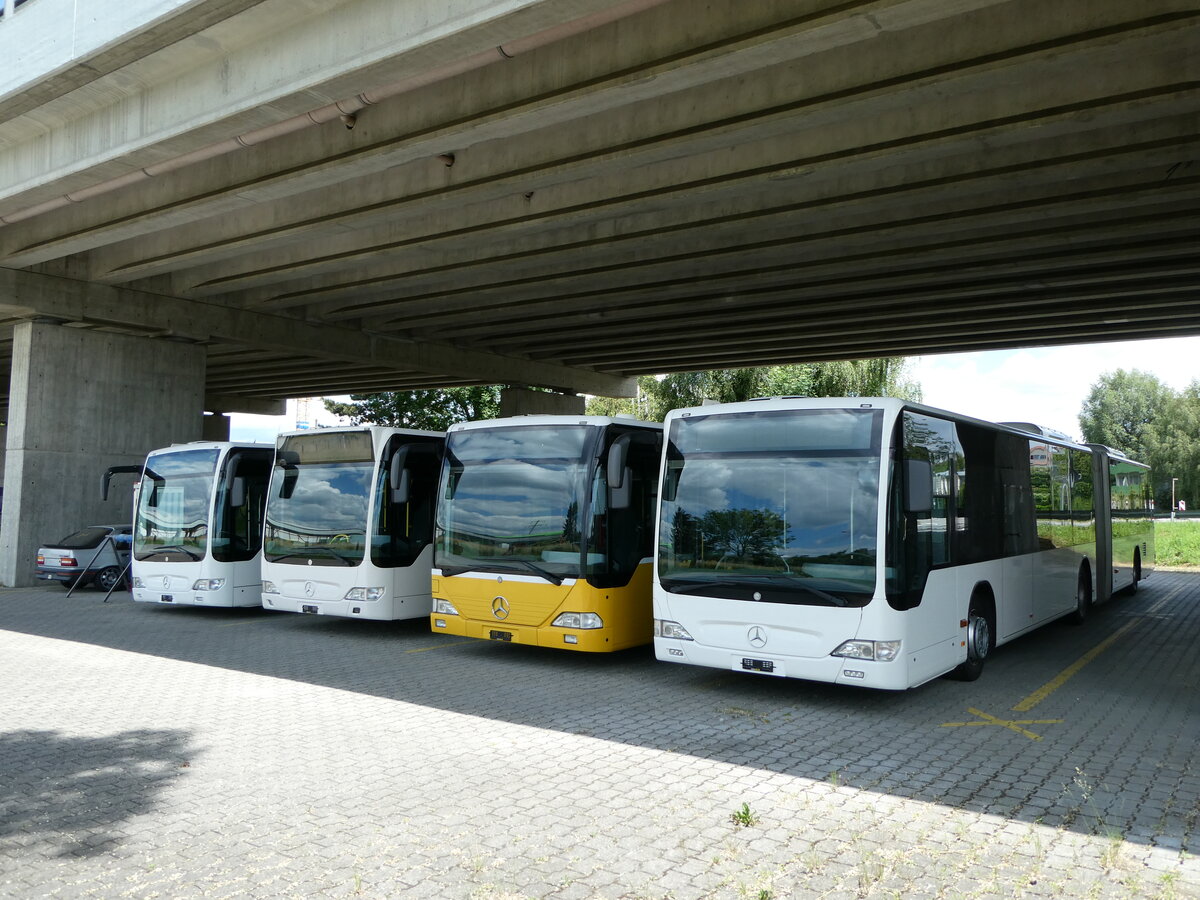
[{"x": 1177, "y": 542}]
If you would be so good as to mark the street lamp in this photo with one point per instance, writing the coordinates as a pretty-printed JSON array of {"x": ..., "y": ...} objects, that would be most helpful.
[{"x": 1173, "y": 480}]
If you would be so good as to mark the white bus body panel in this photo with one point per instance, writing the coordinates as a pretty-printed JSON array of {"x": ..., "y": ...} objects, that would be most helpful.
[
  {"x": 170, "y": 583},
  {"x": 321, "y": 590}
]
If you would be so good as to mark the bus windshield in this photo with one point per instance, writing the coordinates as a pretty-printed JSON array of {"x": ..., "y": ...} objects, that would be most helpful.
[
  {"x": 318, "y": 499},
  {"x": 511, "y": 500},
  {"x": 173, "y": 504},
  {"x": 772, "y": 506}
]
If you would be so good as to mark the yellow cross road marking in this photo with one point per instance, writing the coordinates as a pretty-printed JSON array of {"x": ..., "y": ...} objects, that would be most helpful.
[
  {"x": 246, "y": 622},
  {"x": 1070, "y": 671},
  {"x": 440, "y": 646},
  {"x": 1055, "y": 683},
  {"x": 1014, "y": 724}
]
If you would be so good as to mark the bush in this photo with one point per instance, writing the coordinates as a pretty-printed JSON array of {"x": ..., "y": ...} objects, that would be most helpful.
[{"x": 1177, "y": 542}]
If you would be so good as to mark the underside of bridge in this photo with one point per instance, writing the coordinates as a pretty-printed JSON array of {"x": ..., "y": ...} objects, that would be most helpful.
[{"x": 370, "y": 195}]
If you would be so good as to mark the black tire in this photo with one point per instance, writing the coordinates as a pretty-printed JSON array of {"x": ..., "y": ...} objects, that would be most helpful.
[
  {"x": 1137, "y": 572},
  {"x": 107, "y": 578},
  {"x": 981, "y": 639},
  {"x": 1083, "y": 599}
]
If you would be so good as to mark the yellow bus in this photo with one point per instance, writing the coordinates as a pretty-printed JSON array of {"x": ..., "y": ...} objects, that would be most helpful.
[{"x": 544, "y": 531}]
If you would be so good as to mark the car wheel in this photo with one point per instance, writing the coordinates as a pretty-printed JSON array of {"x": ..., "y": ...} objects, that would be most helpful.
[{"x": 107, "y": 578}]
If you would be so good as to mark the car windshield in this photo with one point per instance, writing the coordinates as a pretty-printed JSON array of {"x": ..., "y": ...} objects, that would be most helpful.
[
  {"x": 777, "y": 507},
  {"x": 510, "y": 500},
  {"x": 84, "y": 539},
  {"x": 173, "y": 505},
  {"x": 318, "y": 500}
]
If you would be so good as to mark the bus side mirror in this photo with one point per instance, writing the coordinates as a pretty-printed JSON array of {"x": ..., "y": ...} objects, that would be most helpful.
[
  {"x": 114, "y": 470},
  {"x": 398, "y": 478},
  {"x": 620, "y": 478},
  {"x": 287, "y": 460},
  {"x": 918, "y": 486},
  {"x": 237, "y": 492}
]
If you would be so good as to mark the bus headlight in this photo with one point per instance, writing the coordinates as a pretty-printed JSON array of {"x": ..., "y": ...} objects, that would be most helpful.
[
  {"x": 208, "y": 584},
  {"x": 364, "y": 593},
  {"x": 444, "y": 608},
  {"x": 878, "y": 651},
  {"x": 269, "y": 588},
  {"x": 668, "y": 629},
  {"x": 137, "y": 582},
  {"x": 578, "y": 620}
]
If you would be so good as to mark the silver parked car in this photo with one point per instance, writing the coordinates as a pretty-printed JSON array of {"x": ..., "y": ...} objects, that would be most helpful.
[{"x": 86, "y": 556}]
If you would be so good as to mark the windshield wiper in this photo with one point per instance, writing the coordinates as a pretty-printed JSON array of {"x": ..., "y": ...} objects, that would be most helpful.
[
  {"x": 308, "y": 555},
  {"x": 534, "y": 567},
  {"x": 816, "y": 592},
  {"x": 492, "y": 567},
  {"x": 683, "y": 585},
  {"x": 166, "y": 548}
]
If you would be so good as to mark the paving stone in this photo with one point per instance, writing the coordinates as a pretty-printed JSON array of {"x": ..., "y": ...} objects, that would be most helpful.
[{"x": 151, "y": 752}]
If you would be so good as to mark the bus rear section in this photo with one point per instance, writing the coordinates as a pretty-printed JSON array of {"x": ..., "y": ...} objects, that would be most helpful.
[
  {"x": 198, "y": 519},
  {"x": 544, "y": 532},
  {"x": 349, "y": 520},
  {"x": 868, "y": 541}
]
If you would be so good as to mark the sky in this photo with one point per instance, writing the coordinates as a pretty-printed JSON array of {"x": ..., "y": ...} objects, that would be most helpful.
[{"x": 1046, "y": 386}]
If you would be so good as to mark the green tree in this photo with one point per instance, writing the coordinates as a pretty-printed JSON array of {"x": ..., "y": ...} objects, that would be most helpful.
[
  {"x": 748, "y": 536},
  {"x": 432, "y": 410},
  {"x": 1173, "y": 448},
  {"x": 855, "y": 378},
  {"x": 1120, "y": 408}
]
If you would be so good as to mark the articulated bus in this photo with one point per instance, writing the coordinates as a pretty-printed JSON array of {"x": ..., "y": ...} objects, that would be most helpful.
[
  {"x": 880, "y": 543},
  {"x": 197, "y": 523},
  {"x": 349, "y": 520},
  {"x": 545, "y": 531}
]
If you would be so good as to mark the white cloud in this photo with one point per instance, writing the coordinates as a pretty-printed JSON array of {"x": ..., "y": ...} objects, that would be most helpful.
[{"x": 1046, "y": 385}]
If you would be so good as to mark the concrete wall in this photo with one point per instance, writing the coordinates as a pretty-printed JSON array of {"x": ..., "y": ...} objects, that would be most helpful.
[
  {"x": 82, "y": 401},
  {"x": 522, "y": 402}
]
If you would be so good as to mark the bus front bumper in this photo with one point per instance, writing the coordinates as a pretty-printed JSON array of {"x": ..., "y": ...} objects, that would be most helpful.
[
  {"x": 584, "y": 640},
  {"x": 890, "y": 676}
]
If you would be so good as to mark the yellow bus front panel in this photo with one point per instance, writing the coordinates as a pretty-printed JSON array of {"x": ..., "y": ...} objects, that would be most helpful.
[{"x": 523, "y": 612}]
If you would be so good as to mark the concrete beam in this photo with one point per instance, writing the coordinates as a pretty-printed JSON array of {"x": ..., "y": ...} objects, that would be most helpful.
[
  {"x": 236, "y": 403},
  {"x": 28, "y": 295}
]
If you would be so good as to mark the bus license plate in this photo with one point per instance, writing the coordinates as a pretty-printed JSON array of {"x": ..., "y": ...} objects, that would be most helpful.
[
  {"x": 501, "y": 635},
  {"x": 758, "y": 665},
  {"x": 309, "y": 609},
  {"x": 168, "y": 598}
]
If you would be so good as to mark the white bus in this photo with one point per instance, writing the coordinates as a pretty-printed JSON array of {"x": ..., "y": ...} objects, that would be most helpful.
[
  {"x": 349, "y": 522},
  {"x": 879, "y": 543},
  {"x": 197, "y": 523}
]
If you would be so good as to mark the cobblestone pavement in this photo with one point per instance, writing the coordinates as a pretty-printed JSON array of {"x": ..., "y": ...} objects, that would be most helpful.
[{"x": 159, "y": 752}]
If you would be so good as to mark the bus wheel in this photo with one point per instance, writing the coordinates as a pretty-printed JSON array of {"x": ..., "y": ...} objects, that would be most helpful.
[
  {"x": 1137, "y": 571},
  {"x": 1083, "y": 598},
  {"x": 979, "y": 639},
  {"x": 106, "y": 579}
]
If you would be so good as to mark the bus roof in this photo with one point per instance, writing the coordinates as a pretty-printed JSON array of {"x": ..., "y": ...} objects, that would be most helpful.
[{"x": 543, "y": 420}]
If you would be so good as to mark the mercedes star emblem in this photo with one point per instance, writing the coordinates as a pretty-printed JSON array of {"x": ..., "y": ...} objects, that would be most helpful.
[
  {"x": 500, "y": 608},
  {"x": 757, "y": 636},
  {"x": 309, "y": 590}
]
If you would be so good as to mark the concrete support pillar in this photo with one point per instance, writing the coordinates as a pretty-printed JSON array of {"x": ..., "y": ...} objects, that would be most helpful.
[
  {"x": 523, "y": 402},
  {"x": 215, "y": 428},
  {"x": 82, "y": 401}
]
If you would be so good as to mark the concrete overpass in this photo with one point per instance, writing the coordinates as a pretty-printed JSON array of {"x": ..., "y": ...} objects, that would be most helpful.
[{"x": 222, "y": 203}]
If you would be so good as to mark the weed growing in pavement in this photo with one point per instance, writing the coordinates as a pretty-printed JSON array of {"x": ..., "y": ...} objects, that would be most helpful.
[{"x": 743, "y": 817}]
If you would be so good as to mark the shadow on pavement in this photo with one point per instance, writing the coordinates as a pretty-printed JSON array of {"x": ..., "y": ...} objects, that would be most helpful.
[
  {"x": 1108, "y": 750},
  {"x": 70, "y": 796}
]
